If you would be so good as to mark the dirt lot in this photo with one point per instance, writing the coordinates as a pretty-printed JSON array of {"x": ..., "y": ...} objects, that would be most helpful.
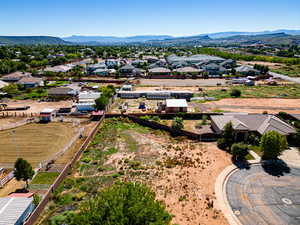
[
  {"x": 181, "y": 172},
  {"x": 8, "y": 122},
  {"x": 34, "y": 142},
  {"x": 254, "y": 105},
  {"x": 37, "y": 107},
  {"x": 181, "y": 82},
  {"x": 269, "y": 64}
]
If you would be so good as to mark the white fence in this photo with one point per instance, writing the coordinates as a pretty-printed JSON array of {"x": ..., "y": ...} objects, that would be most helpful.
[
  {"x": 17, "y": 124},
  {"x": 60, "y": 153}
]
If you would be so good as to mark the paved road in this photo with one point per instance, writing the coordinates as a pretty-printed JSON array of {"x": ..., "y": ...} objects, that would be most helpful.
[
  {"x": 284, "y": 77},
  {"x": 256, "y": 197}
]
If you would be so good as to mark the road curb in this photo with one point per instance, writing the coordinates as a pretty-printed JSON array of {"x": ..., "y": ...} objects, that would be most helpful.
[{"x": 220, "y": 192}]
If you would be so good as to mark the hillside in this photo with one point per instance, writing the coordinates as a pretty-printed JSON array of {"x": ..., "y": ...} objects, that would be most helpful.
[
  {"x": 113, "y": 40},
  {"x": 31, "y": 40},
  {"x": 273, "y": 39}
]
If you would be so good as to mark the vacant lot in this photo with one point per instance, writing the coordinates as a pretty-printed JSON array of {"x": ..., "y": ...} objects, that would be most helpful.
[
  {"x": 34, "y": 142},
  {"x": 181, "y": 82},
  {"x": 255, "y": 105},
  {"x": 282, "y": 91},
  {"x": 180, "y": 171},
  {"x": 37, "y": 107}
]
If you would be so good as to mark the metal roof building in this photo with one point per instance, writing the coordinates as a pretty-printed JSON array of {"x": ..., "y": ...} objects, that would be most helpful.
[{"x": 14, "y": 210}]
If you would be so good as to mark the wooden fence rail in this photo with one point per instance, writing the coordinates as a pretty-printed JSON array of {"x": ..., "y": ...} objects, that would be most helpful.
[{"x": 47, "y": 197}]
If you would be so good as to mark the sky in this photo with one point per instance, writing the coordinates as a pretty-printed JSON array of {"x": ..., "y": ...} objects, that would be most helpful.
[{"x": 145, "y": 17}]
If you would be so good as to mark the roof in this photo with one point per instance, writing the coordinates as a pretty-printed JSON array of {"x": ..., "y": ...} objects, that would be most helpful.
[
  {"x": 296, "y": 116},
  {"x": 60, "y": 68},
  {"x": 61, "y": 91},
  {"x": 188, "y": 69},
  {"x": 193, "y": 58},
  {"x": 127, "y": 67},
  {"x": 25, "y": 195},
  {"x": 47, "y": 110},
  {"x": 11, "y": 209},
  {"x": 3, "y": 84},
  {"x": 245, "y": 69},
  {"x": 88, "y": 95},
  {"x": 15, "y": 76},
  {"x": 26, "y": 80},
  {"x": 159, "y": 70},
  {"x": 176, "y": 103},
  {"x": 258, "y": 122}
]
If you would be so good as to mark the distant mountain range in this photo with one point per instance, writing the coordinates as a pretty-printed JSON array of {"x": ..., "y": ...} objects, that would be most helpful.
[
  {"x": 31, "y": 40},
  {"x": 222, "y": 38},
  {"x": 114, "y": 40}
]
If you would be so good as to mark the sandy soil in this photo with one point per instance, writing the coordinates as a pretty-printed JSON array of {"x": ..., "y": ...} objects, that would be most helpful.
[
  {"x": 10, "y": 187},
  {"x": 272, "y": 105},
  {"x": 37, "y": 107},
  {"x": 188, "y": 189},
  {"x": 269, "y": 64},
  {"x": 185, "y": 179}
]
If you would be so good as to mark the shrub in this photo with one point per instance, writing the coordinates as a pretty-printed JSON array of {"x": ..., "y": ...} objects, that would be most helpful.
[
  {"x": 239, "y": 150},
  {"x": 177, "y": 123},
  {"x": 122, "y": 203},
  {"x": 222, "y": 144},
  {"x": 235, "y": 93}
]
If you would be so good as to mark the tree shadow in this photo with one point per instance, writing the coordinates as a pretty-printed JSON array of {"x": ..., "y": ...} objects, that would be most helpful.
[
  {"x": 241, "y": 164},
  {"x": 276, "y": 167}
]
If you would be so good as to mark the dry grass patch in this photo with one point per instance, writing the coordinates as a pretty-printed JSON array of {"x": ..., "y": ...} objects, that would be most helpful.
[{"x": 34, "y": 142}]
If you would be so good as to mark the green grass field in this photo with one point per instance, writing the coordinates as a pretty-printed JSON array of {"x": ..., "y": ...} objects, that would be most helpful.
[{"x": 45, "y": 178}]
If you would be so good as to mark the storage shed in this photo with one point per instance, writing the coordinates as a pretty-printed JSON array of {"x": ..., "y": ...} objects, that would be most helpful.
[
  {"x": 15, "y": 210},
  {"x": 176, "y": 105}
]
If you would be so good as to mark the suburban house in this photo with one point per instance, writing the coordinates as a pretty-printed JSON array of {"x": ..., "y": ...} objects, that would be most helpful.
[
  {"x": 214, "y": 69},
  {"x": 228, "y": 64},
  {"x": 91, "y": 68},
  {"x": 159, "y": 72},
  {"x": 150, "y": 58},
  {"x": 61, "y": 92},
  {"x": 14, "y": 210},
  {"x": 31, "y": 82},
  {"x": 60, "y": 68},
  {"x": 86, "y": 101},
  {"x": 188, "y": 71},
  {"x": 176, "y": 105},
  {"x": 244, "y": 124},
  {"x": 15, "y": 77},
  {"x": 138, "y": 62},
  {"x": 129, "y": 71},
  {"x": 101, "y": 72},
  {"x": 247, "y": 70},
  {"x": 194, "y": 59}
]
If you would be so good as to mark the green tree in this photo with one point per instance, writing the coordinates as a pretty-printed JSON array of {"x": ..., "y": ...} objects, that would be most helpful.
[
  {"x": 122, "y": 204},
  {"x": 228, "y": 135},
  {"x": 239, "y": 150},
  {"x": 177, "y": 123},
  {"x": 272, "y": 144},
  {"x": 23, "y": 170},
  {"x": 235, "y": 93},
  {"x": 101, "y": 102}
]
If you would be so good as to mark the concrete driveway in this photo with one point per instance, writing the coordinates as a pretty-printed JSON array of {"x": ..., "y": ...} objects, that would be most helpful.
[{"x": 265, "y": 195}]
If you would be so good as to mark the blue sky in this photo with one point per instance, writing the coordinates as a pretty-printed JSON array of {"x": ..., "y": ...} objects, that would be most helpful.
[{"x": 141, "y": 17}]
